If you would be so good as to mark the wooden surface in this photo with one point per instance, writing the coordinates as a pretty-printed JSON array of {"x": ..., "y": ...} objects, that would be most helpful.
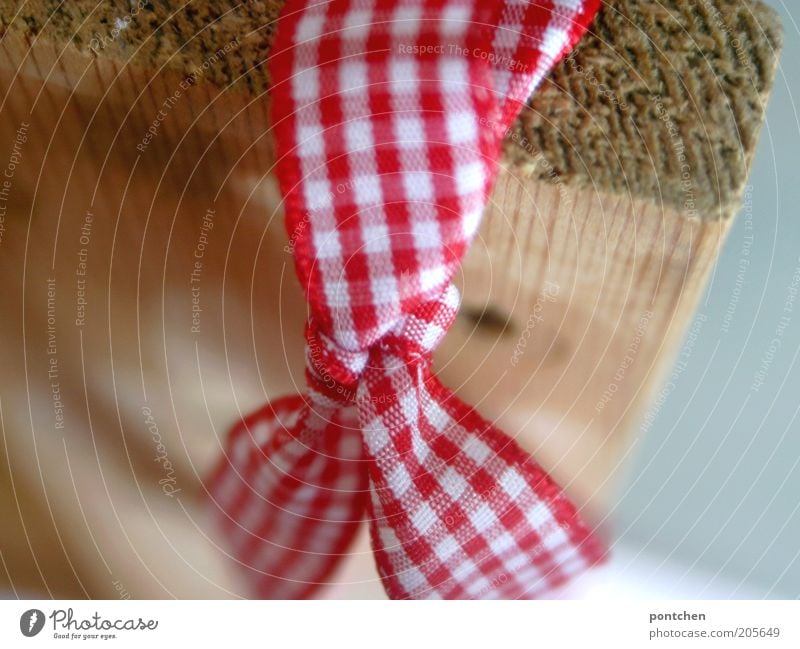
[{"x": 574, "y": 300}]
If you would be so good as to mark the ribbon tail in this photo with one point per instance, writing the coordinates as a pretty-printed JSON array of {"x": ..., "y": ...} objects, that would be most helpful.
[
  {"x": 458, "y": 510},
  {"x": 290, "y": 493}
]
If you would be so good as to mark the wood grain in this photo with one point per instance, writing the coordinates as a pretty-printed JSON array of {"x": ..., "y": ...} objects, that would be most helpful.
[{"x": 574, "y": 302}]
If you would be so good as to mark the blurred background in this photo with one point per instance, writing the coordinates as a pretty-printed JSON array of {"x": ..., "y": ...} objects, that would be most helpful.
[{"x": 711, "y": 507}]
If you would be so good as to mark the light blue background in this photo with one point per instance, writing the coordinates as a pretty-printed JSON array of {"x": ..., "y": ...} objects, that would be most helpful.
[{"x": 715, "y": 486}]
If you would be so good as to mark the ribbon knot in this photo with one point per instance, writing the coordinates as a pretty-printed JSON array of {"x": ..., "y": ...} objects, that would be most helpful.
[
  {"x": 335, "y": 371},
  {"x": 385, "y": 164},
  {"x": 332, "y": 370}
]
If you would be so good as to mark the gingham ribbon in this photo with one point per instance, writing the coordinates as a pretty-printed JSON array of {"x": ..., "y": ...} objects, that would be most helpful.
[{"x": 388, "y": 119}]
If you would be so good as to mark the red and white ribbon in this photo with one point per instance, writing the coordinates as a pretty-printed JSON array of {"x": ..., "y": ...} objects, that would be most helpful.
[{"x": 385, "y": 162}]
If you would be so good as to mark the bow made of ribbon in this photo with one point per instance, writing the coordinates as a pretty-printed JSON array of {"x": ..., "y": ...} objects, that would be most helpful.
[{"x": 388, "y": 117}]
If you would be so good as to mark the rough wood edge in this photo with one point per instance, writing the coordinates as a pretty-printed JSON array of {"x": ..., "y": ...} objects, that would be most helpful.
[{"x": 661, "y": 100}]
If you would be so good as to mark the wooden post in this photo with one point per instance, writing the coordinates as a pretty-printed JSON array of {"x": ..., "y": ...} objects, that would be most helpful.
[{"x": 151, "y": 300}]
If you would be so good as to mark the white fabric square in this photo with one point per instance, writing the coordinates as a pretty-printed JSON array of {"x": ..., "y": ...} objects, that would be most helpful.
[
  {"x": 367, "y": 190},
  {"x": 305, "y": 84},
  {"x": 344, "y": 325},
  {"x": 310, "y": 142},
  {"x": 553, "y": 41},
  {"x": 376, "y": 238},
  {"x": 420, "y": 449},
  {"x": 483, "y": 518},
  {"x": 357, "y": 23},
  {"x": 359, "y": 134},
  {"x": 432, "y": 278},
  {"x": 469, "y": 177},
  {"x": 465, "y": 569},
  {"x": 502, "y": 543},
  {"x": 455, "y": 19},
  {"x": 512, "y": 483},
  {"x": 353, "y": 79},
  {"x": 318, "y": 194},
  {"x": 408, "y": 403},
  {"x": 418, "y": 186},
  {"x": 433, "y": 333},
  {"x": 479, "y": 587},
  {"x": 539, "y": 516},
  {"x": 436, "y": 416},
  {"x": 424, "y": 518},
  {"x": 403, "y": 75},
  {"x": 412, "y": 579},
  {"x": 477, "y": 450},
  {"x": 399, "y": 479},
  {"x": 309, "y": 28},
  {"x": 532, "y": 577},
  {"x": 388, "y": 537},
  {"x": 572, "y": 5},
  {"x": 405, "y": 21},
  {"x": 409, "y": 132},
  {"x": 461, "y": 127},
  {"x": 507, "y": 38},
  {"x": 472, "y": 219},
  {"x": 426, "y": 234},
  {"x": 453, "y": 484},
  {"x": 338, "y": 299},
  {"x": 517, "y": 562},
  {"x": 384, "y": 289},
  {"x": 454, "y": 70},
  {"x": 375, "y": 436},
  {"x": 446, "y": 548},
  {"x": 570, "y": 562},
  {"x": 556, "y": 539}
]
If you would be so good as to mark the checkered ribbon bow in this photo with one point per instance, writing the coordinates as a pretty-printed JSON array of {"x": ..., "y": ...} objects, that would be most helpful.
[{"x": 388, "y": 118}]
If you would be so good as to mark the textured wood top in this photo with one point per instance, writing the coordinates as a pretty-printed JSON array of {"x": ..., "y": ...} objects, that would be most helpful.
[{"x": 663, "y": 100}]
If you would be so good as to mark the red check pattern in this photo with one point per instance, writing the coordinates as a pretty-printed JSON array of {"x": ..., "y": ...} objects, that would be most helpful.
[{"x": 388, "y": 118}]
